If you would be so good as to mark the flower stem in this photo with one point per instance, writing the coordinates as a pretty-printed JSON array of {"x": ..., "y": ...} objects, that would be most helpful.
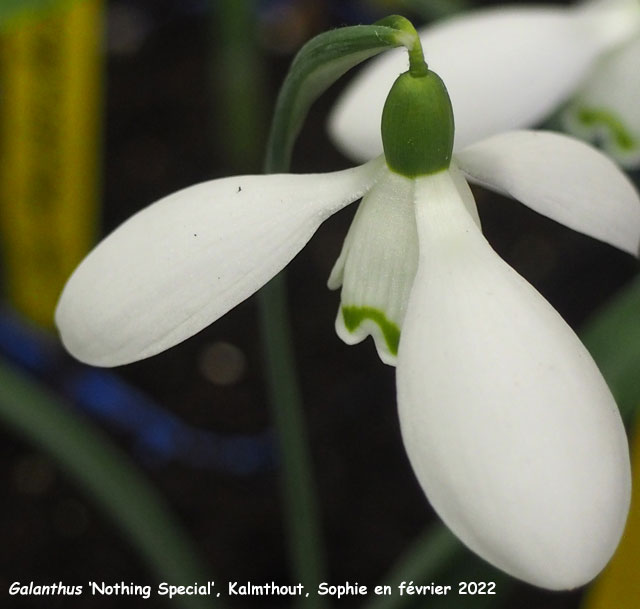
[
  {"x": 238, "y": 80},
  {"x": 242, "y": 81},
  {"x": 299, "y": 492},
  {"x": 318, "y": 64},
  {"x": 409, "y": 37}
]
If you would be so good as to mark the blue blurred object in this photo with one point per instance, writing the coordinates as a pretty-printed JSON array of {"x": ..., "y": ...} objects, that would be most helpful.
[{"x": 158, "y": 435}]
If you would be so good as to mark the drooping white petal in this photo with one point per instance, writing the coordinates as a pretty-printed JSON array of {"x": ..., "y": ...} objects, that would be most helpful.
[
  {"x": 377, "y": 265},
  {"x": 510, "y": 428},
  {"x": 504, "y": 68},
  {"x": 561, "y": 178},
  {"x": 181, "y": 263},
  {"x": 606, "y": 110}
]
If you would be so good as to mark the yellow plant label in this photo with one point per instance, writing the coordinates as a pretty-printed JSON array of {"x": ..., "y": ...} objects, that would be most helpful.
[{"x": 50, "y": 117}]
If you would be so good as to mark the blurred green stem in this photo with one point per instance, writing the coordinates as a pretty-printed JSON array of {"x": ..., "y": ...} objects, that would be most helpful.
[
  {"x": 240, "y": 87},
  {"x": 100, "y": 468},
  {"x": 299, "y": 491},
  {"x": 238, "y": 83}
]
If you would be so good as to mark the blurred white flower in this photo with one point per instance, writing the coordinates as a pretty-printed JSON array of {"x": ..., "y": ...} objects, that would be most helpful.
[{"x": 509, "y": 67}]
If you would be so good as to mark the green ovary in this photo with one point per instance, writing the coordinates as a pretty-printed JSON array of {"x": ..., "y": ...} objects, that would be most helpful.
[
  {"x": 592, "y": 117},
  {"x": 354, "y": 316}
]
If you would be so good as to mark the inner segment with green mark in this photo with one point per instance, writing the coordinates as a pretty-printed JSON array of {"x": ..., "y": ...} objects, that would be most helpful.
[
  {"x": 354, "y": 316},
  {"x": 594, "y": 117}
]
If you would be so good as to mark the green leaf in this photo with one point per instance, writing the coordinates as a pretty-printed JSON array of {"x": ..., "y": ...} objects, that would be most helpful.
[
  {"x": 316, "y": 67},
  {"x": 107, "y": 474},
  {"x": 613, "y": 338}
]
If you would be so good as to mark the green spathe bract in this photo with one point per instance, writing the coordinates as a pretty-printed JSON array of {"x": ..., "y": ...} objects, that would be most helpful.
[{"x": 417, "y": 124}]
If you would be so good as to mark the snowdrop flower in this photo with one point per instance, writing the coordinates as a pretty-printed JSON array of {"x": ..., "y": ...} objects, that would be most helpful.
[
  {"x": 509, "y": 67},
  {"x": 510, "y": 428}
]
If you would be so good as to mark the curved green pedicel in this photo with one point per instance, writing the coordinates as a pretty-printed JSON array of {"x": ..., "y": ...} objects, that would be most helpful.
[
  {"x": 409, "y": 38},
  {"x": 353, "y": 316},
  {"x": 595, "y": 117},
  {"x": 417, "y": 124}
]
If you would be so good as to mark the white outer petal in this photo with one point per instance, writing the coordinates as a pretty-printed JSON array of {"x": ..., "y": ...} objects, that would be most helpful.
[
  {"x": 504, "y": 68},
  {"x": 510, "y": 428},
  {"x": 179, "y": 264},
  {"x": 562, "y": 178}
]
